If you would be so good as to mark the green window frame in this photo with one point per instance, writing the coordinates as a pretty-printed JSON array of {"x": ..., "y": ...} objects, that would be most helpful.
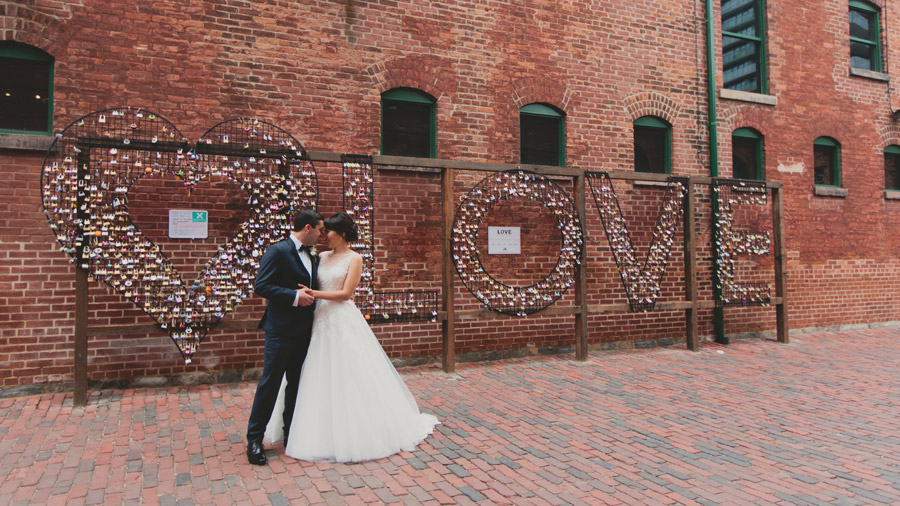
[
  {"x": 542, "y": 135},
  {"x": 26, "y": 89},
  {"x": 408, "y": 123},
  {"x": 652, "y": 145},
  {"x": 744, "y": 45},
  {"x": 865, "y": 36},
  {"x": 826, "y": 162},
  {"x": 747, "y": 154},
  {"x": 892, "y": 167}
]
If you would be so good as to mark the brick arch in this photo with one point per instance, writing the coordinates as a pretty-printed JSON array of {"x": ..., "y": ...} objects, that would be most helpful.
[
  {"x": 427, "y": 73},
  {"x": 737, "y": 118},
  {"x": 651, "y": 103},
  {"x": 890, "y": 134},
  {"x": 38, "y": 29},
  {"x": 533, "y": 90}
]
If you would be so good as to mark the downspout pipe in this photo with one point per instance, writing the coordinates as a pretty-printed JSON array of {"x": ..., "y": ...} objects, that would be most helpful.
[
  {"x": 718, "y": 312},
  {"x": 711, "y": 91}
]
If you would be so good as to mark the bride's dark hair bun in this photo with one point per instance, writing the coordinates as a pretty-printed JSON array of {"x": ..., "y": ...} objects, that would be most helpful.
[{"x": 343, "y": 224}]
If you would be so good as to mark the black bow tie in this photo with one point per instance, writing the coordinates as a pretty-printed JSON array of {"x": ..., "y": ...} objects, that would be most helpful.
[{"x": 303, "y": 248}]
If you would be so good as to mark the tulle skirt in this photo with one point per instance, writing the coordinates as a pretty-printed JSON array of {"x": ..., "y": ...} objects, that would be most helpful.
[{"x": 352, "y": 405}]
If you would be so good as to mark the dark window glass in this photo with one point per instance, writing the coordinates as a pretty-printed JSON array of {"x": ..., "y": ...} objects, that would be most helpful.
[
  {"x": 862, "y": 56},
  {"x": 742, "y": 45},
  {"x": 825, "y": 164},
  {"x": 864, "y": 37},
  {"x": 407, "y": 128},
  {"x": 650, "y": 149},
  {"x": 25, "y": 94},
  {"x": 745, "y": 157},
  {"x": 540, "y": 137},
  {"x": 892, "y": 168},
  {"x": 862, "y": 25}
]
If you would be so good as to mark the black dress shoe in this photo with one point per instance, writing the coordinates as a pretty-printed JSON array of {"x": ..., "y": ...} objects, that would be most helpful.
[{"x": 255, "y": 453}]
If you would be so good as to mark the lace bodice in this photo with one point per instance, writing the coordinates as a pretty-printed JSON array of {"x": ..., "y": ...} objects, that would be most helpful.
[{"x": 333, "y": 271}]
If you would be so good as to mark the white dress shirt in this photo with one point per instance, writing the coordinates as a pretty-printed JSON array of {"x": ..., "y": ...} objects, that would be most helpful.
[{"x": 307, "y": 262}]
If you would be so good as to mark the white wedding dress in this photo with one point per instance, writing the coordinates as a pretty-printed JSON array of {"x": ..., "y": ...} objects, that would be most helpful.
[{"x": 351, "y": 403}]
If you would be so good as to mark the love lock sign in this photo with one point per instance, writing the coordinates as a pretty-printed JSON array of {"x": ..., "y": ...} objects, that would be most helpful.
[{"x": 90, "y": 168}]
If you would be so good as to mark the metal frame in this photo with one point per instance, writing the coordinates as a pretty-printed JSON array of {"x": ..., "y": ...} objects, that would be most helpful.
[{"x": 449, "y": 315}]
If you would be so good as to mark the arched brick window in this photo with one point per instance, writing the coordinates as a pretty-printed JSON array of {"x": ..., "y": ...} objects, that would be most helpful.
[
  {"x": 865, "y": 36},
  {"x": 827, "y": 162},
  {"x": 747, "y": 154},
  {"x": 743, "y": 45},
  {"x": 408, "y": 123},
  {"x": 26, "y": 89},
  {"x": 542, "y": 135},
  {"x": 892, "y": 167},
  {"x": 652, "y": 145}
]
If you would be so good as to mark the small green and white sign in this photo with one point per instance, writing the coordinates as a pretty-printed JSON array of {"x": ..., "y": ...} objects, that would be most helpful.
[{"x": 188, "y": 224}]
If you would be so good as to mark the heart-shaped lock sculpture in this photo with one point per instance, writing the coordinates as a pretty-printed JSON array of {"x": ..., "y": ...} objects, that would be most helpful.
[{"x": 93, "y": 163}]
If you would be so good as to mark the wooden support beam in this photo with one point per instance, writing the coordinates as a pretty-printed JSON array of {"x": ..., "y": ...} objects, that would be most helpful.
[
  {"x": 778, "y": 246},
  {"x": 437, "y": 163},
  {"x": 448, "y": 323},
  {"x": 81, "y": 337},
  {"x": 581, "y": 318},
  {"x": 690, "y": 271}
]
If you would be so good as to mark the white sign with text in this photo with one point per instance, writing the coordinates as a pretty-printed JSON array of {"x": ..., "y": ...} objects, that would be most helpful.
[
  {"x": 504, "y": 241},
  {"x": 188, "y": 224}
]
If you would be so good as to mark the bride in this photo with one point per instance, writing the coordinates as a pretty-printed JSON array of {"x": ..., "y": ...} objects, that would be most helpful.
[{"x": 351, "y": 403}]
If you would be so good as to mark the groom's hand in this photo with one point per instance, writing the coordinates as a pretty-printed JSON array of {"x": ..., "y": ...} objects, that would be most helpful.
[{"x": 304, "y": 296}]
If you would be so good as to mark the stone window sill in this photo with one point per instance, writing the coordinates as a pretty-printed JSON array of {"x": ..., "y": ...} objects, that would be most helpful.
[
  {"x": 830, "y": 191},
  {"x": 892, "y": 194},
  {"x": 651, "y": 183},
  {"x": 25, "y": 142},
  {"x": 746, "y": 96},
  {"x": 868, "y": 74}
]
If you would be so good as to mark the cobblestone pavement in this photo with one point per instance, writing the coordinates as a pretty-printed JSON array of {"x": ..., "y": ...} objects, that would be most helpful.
[{"x": 755, "y": 422}]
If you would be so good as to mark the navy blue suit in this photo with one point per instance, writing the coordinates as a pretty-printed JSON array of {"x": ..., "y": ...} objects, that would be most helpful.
[{"x": 287, "y": 328}]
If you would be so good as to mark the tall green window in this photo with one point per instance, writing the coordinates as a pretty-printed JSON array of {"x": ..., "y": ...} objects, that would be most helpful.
[
  {"x": 747, "y": 154},
  {"x": 542, "y": 135},
  {"x": 652, "y": 145},
  {"x": 26, "y": 89},
  {"x": 892, "y": 167},
  {"x": 408, "y": 123},
  {"x": 865, "y": 36},
  {"x": 743, "y": 45},
  {"x": 827, "y": 162}
]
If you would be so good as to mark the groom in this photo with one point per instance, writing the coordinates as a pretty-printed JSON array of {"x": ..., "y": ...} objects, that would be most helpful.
[{"x": 287, "y": 323}]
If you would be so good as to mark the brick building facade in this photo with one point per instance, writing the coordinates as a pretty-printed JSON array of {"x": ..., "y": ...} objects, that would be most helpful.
[{"x": 318, "y": 70}]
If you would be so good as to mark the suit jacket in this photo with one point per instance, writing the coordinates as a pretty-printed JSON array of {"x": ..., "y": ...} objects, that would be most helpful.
[{"x": 280, "y": 271}]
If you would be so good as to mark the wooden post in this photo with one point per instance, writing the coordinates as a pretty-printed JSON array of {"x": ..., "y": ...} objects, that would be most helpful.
[
  {"x": 448, "y": 338},
  {"x": 81, "y": 321},
  {"x": 690, "y": 270},
  {"x": 581, "y": 317},
  {"x": 80, "y": 381},
  {"x": 781, "y": 309}
]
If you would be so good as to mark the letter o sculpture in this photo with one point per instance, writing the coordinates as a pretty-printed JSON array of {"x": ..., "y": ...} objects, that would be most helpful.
[{"x": 473, "y": 208}]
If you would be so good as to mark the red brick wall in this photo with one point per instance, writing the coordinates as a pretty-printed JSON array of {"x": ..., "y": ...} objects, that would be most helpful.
[{"x": 317, "y": 70}]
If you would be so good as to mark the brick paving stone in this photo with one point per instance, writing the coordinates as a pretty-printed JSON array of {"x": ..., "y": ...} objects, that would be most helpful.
[
  {"x": 385, "y": 495},
  {"x": 472, "y": 494},
  {"x": 813, "y": 422}
]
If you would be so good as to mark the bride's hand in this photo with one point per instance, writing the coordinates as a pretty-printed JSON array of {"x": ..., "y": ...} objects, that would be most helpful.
[
  {"x": 306, "y": 296},
  {"x": 304, "y": 289}
]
